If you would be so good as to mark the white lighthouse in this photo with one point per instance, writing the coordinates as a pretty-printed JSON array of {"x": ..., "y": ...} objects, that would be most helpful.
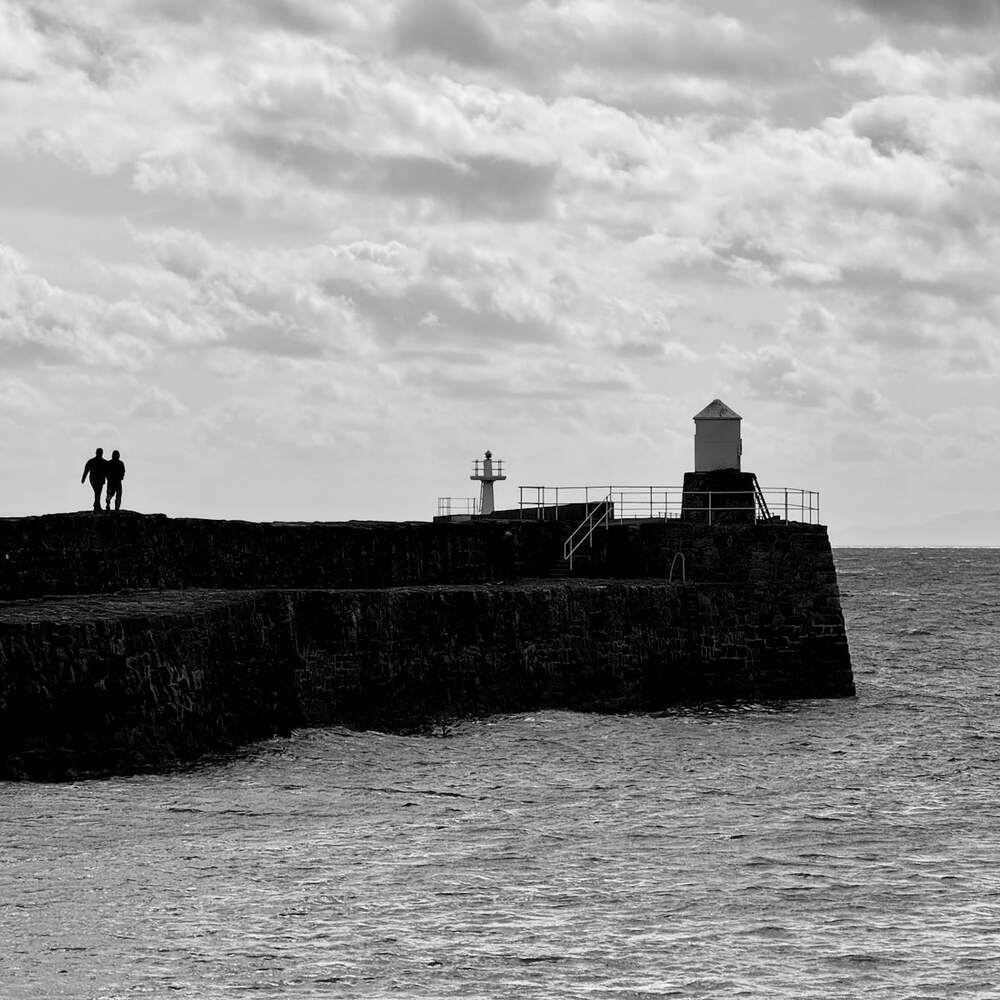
[
  {"x": 487, "y": 472},
  {"x": 717, "y": 441}
]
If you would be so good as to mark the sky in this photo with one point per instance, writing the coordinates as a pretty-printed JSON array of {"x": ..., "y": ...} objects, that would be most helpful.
[{"x": 308, "y": 259}]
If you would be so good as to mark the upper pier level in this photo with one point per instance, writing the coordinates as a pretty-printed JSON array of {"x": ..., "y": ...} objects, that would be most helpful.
[{"x": 88, "y": 553}]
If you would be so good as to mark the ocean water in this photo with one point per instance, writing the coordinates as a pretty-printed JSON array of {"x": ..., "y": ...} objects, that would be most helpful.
[{"x": 818, "y": 849}]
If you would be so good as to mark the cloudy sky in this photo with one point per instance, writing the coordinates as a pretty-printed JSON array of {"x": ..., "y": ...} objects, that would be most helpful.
[{"x": 307, "y": 259}]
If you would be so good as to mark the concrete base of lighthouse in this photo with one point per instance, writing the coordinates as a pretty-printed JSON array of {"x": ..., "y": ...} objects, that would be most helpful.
[{"x": 722, "y": 496}]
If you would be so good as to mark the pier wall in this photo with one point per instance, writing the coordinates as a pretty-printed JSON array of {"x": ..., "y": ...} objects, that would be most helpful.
[
  {"x": 259, "y": 628},
  {"x": 88, "y": 554},
  {"x": 148, "y": 681},
  {"x": 121, "y": 685},
  {"x": 406, "y": 657},
  {"x": 794, "y": 557}
]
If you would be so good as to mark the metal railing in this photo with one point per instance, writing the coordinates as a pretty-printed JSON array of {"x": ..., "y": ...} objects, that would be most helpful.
[
  {"x": 785, "y": 503},
  {"x": 479, "y": 468},
  {"x": 457, "y": 505},
  {"x": 584, "y": 531}
]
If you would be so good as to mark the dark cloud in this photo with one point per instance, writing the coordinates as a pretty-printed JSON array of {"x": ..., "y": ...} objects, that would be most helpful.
[
  {"x": 696, "y": 47},
  {"x": 43, "y": 340},
  {"x": 546, "y": 382},
  {"x": 434, "y": 317},
  {"x": 280, "y": 337},
  {"x": 491, "y": 185},
  {"x": 897, "y": 336},
  {"x": 98, "y": 53},
  {"x": 889, "y": 132},
  {"x": 899, "y": 294},
  {"x": 773, "y": 373},
  {"x": 450, "y": 28},
  {"x": 748, "y": 251},
  {"x": 31, "y": 348},
  {"x": 320, "y": 164},
  {"x": 31, "y": 178},
  {"x": 970, "y": 357},
  {"x": 962, "y": 13},
  {"x": 305, "y": 17}
]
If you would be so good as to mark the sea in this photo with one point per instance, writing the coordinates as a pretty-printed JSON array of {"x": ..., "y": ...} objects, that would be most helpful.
[{"x": 812, "y": 849}]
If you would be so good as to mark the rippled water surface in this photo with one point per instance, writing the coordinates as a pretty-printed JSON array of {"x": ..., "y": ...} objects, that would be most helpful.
[{"x": 819, "y": 849}]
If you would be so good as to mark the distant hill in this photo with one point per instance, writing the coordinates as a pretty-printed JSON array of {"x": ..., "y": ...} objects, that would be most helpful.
[{"x": 980, "y": 528}]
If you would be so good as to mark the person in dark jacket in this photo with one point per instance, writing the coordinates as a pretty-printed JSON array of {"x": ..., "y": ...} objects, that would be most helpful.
[
  {"x": 97, "y": 469},
  {"x": 116, "y": 473}
]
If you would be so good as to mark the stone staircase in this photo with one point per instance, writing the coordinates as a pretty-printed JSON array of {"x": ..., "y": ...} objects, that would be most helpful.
[{"x": 560, "y": 570}]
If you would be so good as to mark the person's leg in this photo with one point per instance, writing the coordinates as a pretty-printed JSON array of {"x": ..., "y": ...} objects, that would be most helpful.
[
  {"x": 118, "y": 496},
  {"x": 97, "y": 494}
]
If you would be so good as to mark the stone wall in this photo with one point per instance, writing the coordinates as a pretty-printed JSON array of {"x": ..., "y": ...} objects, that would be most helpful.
[
  {"x": 252, "y": 628},
  {"x": 92, "y": 685},
  {"x": 406, "y": 657},
  {"x": 118, "y": 684},
  {"x": 91, "y": 553},
  {"x": 796, "y": 557}
]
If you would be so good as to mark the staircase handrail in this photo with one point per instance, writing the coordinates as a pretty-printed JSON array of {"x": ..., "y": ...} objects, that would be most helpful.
[
  {"x": 597, "y": 518},
  {"x": 763, "y": 511}
]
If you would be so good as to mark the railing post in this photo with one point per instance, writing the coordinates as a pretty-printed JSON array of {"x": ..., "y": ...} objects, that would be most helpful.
[
  {"x": 709, "y": 507},
  {"x": 786, "y": 505}
]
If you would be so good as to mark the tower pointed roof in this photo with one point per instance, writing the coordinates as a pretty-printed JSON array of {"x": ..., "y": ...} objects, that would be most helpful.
[{"x": 717, "y": 410}]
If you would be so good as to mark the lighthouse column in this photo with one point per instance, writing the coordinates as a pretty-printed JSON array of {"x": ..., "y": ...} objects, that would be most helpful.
[
  {"x": 486, "y": 505},
  {"x": 487, "y": 474}
]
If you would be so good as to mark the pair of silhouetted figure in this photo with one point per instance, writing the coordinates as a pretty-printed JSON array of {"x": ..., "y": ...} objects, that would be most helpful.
[{"x": 102, "y": 471}]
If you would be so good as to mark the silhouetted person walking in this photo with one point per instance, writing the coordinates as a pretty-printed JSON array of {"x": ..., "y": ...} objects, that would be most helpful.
[
  {"x": 97, "y": 469},
  {"x": 116, "y": 473}
]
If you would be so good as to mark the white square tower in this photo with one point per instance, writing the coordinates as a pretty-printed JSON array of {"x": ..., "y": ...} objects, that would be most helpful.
[{"x": 717, "y": 441}]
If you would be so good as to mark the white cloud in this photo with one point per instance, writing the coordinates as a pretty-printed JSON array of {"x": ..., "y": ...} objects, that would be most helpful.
[
  {"x": 42, "y": 324},
  {"x": 854, "y": 446},
  {"x": 21, "y": 400},
  {"x": 156, "y": 404},
  {"x": 886, "y": 68},
  {"x": 353, "y": 226}
]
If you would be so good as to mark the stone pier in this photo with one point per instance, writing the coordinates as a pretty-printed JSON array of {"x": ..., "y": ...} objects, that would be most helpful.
[{"x": 133, "y": 643}]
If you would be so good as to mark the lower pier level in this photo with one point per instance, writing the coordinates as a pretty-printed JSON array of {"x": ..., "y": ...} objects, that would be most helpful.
[{"x": 117, "y": 683}]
